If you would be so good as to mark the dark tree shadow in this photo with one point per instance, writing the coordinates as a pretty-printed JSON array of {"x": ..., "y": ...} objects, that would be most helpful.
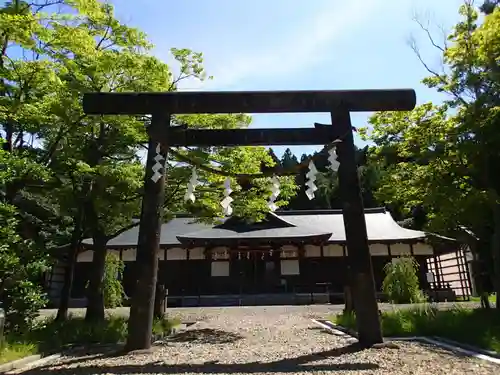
[
  {"x": 82, "y": 354},
  {"x": 297, "y": 364},
  {"x": 320, "y": 330},
  {"x": 206, "y": 336}
]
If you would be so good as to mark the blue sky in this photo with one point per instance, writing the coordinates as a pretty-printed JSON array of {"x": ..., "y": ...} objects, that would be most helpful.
[{"x": 298, "y": 45}]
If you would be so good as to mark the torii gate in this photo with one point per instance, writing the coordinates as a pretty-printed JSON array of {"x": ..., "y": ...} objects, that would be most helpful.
[{"x": 161, "y": 106}]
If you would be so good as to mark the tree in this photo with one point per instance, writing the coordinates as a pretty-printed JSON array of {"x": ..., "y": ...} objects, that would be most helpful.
[
  {"x": 91, "y": 165},
  {"x": 22, "y": 263},
  {"x": 27, "y": 216},
  {"x": 100, "y": 157},
  {"x": 93, "y": 172},
  {"x": 112, "y": 286},
  {"x": 276, "y": 160},
  {"x": 444, "y": 157},
  {"x": 489, "y": 6},
  {"x": 289, "y": 160}
]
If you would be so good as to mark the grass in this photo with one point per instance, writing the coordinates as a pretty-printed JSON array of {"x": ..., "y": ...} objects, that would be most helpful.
[
  {"x": 16, "y": 350},
  {"x": 492, "y": 298},
  {"x": 50, "y": 336},
  {"x": 475, "y": 327}
]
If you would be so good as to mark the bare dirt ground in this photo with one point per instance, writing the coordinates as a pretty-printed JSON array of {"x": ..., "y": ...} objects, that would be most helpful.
[{"x": 267, "y": 340}]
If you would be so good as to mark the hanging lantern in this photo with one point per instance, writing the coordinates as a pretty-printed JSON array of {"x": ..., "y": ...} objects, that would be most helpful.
[
  {"x": 192, "y": 184},
  {"x": 239, "y": 255},
  {"x": 248, "y": 255},
  {"x": 226, "y": 202},
  {"x": 275, "y": 191},
  {"x": 158, "y": 165},
  {"x": 332, "y": 159},
  {"x": 311, "y": 178},
  {"x": 270, "y": 253},
  {"x": 262, "y": 256}
]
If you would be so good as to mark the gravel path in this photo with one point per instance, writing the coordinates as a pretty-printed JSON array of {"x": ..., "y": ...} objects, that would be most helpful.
[
  {"x": 268, "y": 340},
  {"x": 317, "y": 310}
]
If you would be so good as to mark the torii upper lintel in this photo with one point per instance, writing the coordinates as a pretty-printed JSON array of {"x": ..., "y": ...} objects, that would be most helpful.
[{"x": 189, "y": 102}]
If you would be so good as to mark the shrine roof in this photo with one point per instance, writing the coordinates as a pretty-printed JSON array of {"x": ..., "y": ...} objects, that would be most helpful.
[
  {"x": 299, "y": 225},
  {"x": 273, "y": 229}
]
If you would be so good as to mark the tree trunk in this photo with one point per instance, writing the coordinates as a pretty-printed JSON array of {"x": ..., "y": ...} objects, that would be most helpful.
[
  {"x": 485, "y": 302},
  {"x": 348, "y": 306},
  {"x": 348, "y": 303},
  {"x": 65, "y": 296},
  {"x": 95, "y": 292},
  {"x": 160, "y": 303},
  {"x": 479, "y": 276},
  {"x": 76, "y": 238},
  {"x": 495, "y": 251}
]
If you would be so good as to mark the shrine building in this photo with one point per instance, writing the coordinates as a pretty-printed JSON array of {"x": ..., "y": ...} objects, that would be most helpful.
[{"x": 291, "y": 257}]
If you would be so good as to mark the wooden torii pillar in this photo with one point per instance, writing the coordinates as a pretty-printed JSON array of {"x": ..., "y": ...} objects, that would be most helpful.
[{"x": 162, "y": 105}]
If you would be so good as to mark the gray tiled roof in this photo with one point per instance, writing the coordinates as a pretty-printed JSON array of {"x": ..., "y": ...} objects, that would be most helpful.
[
  {"x": 380, "y": 225},
  {"x": 272, "y": 228}
]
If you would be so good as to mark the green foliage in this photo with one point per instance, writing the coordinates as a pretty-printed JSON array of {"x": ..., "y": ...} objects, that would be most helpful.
[
  {"x": 56, "y": 160},
  {"x": 492, "y": 298},
  {"x": 22, "y": 263},
  {"x": 112, "y": 284},
  {"x": 477, "y": 327},
  {"x": 444, "y": 158},
  {"x": 489, "y": 6},
  {"x": 21, "y": 266},
  {"x": 401, "y": 283},
  {"x": 49, "y": 335},
  {"x": 345, "y": 319},
  {"x": 16, "y": 350}
]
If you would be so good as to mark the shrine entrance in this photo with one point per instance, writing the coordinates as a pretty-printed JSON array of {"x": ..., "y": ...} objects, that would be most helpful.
[
  {"x": 162, "y": 136},
  {"x": 256, "y": 272}
]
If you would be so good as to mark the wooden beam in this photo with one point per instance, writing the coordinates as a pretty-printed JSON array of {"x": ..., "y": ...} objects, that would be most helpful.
[
  {"x": 248, "y": 101},
  {"x": 183, "y": 137},
  {"x": 359, "y": 257},
  {"x": 140, "y": 322}
]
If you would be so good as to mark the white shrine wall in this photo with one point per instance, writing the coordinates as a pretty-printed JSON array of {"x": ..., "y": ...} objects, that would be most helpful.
[
  {"x": 289, "y": 255},
  {"x": 288, "y": 251}
]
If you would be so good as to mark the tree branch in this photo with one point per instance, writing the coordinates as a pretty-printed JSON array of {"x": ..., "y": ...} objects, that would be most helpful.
[
  {"x": 122, "y": 230},
  {"x": 429, "y": 35},
  {"x": 135, "y": 224},
  {"x": 414, "y": 47},
  {"x": 60, "y": 133}
]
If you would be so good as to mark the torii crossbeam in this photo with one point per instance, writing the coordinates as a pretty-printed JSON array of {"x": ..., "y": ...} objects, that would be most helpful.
[{"x": 163, "y": 105}]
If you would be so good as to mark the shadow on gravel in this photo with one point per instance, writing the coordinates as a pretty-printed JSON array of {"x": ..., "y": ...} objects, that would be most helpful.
[
  {"x": 319, "y": 330},
  {"x": 292, "y": 365},
  {"x": 206, "y": 336}
]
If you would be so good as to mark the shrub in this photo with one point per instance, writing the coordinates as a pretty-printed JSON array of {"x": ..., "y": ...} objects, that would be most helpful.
[
  {"x": 21, "y": 265},
  {"x": 346, "y": 319},
  {"x": 112, "y": 286},
  {"x": 401, "y": 283},
  {"x": 51, "y": 335}
]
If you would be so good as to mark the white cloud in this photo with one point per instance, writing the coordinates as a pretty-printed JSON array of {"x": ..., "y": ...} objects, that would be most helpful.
[{"x": 311, "y": 41}]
